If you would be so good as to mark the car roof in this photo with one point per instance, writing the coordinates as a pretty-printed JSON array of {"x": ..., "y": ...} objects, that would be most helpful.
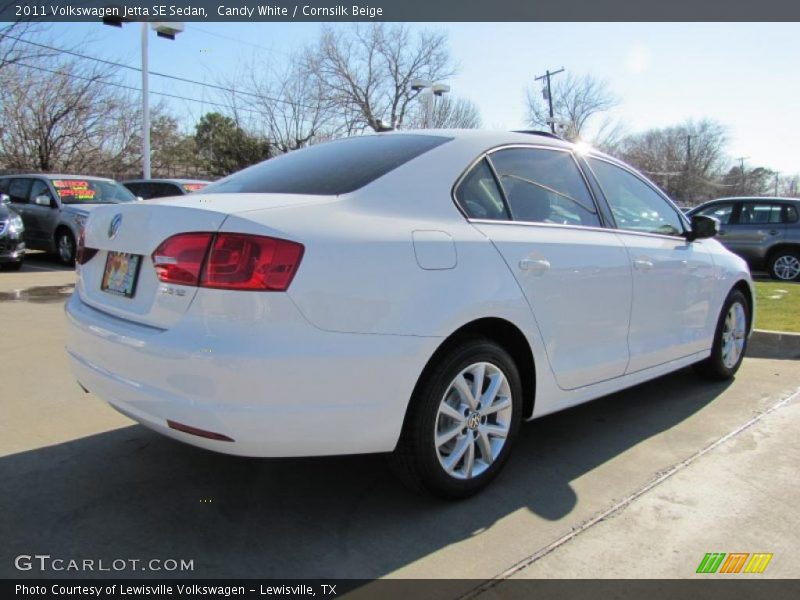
[
  {"x": 163, "y": 180},
  {"x": 740, "y": 198},
  {"x": 57, "y": 176}
]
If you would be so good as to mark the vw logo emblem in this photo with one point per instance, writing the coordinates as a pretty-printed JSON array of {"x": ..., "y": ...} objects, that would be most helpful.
[
  {"x": 474, "y": 421},
  {"x": 113, "y": 228}
]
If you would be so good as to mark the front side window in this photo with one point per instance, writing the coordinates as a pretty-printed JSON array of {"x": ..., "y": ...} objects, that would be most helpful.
[
  {"x": 721, "y": 212},
  {"x": 791, "y": 214},
  {"x": 634, "y": 204},
  {"x": 39, "y": 188},
  {"x": 544, "y": 186},
  {"x": 760, "y": 213},
  {"x": 478, "y": 195}
]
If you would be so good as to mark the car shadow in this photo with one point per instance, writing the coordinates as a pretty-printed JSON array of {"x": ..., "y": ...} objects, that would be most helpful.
[
  {"x": 130, "y": 493},
  {"x": 43, "y": 261}
]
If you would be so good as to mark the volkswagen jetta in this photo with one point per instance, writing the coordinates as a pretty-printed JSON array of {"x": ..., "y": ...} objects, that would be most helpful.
[{"x": 417, "y": 293}]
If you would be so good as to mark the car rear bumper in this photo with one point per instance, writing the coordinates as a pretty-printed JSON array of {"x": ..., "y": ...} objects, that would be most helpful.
[{"x": 250, "y": 367}]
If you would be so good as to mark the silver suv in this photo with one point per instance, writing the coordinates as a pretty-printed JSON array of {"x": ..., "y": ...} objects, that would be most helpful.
[
  {"x": 763, "y": 231},
  {"x": 54, "y": 208}
]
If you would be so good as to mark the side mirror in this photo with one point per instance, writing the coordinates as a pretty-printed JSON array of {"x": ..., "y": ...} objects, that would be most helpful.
[
  {"x": 43, "y": 200},
  {"x": 703, "y": 227},
  {"x": 5, "y": 199}
]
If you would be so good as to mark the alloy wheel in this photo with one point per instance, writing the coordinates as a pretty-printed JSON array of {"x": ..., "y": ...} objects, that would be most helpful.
[
  {"x": 787, "y": 267},
  {"x": 66, "y": 247},
  {"x": 473, "y": 421},
  {"x": 733, "y": 335}
]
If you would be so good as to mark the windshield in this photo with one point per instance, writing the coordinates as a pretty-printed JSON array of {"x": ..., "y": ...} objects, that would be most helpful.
[{"x": 91, "y": 191}]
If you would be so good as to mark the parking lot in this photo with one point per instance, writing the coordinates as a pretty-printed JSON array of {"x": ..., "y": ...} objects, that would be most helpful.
[{"x": 638, "y": 484}]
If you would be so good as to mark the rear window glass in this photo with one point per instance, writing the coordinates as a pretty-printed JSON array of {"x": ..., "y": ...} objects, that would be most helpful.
[{"x": 331, "y": 168}]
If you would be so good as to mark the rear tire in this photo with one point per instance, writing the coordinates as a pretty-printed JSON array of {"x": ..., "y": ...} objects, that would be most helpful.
[
  {"x": 784, "y": 265},
  {"x": 730, "y": 339},
  {"x": 454, "y": 440}
]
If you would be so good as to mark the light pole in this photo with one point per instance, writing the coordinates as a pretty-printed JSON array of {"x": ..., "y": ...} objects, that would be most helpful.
[
  {"x": 430, "y": 91},
  {"x": 166, "y": 30},
  {"x": 145, "y": 104}
]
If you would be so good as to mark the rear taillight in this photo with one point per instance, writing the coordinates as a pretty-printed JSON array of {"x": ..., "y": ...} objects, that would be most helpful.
[
  {"x": 180, "y": 258},
  {"x": 251, "y": 262},
  {"x": 233, "y": 261},
  {"x": 82, "y": 253}
]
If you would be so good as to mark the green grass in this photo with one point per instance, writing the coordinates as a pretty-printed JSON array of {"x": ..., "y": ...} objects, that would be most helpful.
[{"x": 778, "y": 306}]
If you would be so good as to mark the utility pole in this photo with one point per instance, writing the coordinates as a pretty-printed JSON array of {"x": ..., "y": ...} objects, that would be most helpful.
[
  {"x": 777, "y": 177},
  {"x": 689, "y": 169},
  {"x": 741, "y": 160},
  {"x": 548, "y": 91}
]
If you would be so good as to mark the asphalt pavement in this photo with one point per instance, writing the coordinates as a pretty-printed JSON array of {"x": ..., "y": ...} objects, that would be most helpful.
[{"x": 661, "y": 474}]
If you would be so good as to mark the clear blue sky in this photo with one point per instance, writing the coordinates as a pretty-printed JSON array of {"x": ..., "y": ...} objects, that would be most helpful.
[{"x": 746, "y": 76}]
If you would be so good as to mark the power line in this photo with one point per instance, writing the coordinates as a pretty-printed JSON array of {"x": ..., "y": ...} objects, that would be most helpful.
[
  {"x": 237, "y": 41},
  {"x": 155, "y": 73},
  {"x": 129, "y": 87}
]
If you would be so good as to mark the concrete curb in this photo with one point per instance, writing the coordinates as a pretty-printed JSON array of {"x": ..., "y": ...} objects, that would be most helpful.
[{"x": 764, "y": 343}]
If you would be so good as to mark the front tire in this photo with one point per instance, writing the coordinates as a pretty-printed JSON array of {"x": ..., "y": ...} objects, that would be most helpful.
[
  {"x": 784, "y": 265},
  {"x": 65, "y": 247},
  {"x": 462, "y": 421},
  {"x": 730, "y": 339}
]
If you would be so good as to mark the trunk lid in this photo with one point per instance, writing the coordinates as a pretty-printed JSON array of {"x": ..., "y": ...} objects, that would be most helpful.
[{"x": 140, "y": 228}]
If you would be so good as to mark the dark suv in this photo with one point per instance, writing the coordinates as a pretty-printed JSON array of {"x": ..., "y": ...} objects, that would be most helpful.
[
  {"x": 763, "y": 231},
  {"x": 148, "y": 189}
]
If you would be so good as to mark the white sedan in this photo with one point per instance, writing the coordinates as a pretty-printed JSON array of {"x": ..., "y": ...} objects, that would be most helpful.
[{"x": 417, "y": 293}]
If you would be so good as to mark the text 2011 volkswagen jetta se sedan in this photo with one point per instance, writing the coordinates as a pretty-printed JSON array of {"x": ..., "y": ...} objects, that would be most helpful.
[{"x": 415, "y": 293}]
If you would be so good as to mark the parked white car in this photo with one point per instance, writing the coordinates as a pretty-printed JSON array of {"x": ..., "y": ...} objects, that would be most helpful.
[{"x": 417, "y": 293}]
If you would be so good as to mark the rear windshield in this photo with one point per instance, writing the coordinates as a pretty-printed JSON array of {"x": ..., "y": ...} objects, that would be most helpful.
[
  {"x": 329, "y": 169},
  {"x": 91, "y": 191}
]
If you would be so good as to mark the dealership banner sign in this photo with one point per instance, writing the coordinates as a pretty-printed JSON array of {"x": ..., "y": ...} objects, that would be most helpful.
[{"x": 405, "y": 11}]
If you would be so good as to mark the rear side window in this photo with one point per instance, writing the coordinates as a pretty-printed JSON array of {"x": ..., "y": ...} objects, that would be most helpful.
[
  {"x": 478, "y": 195},
  {"x": 760, "y": 214},
  {"x": 544, "y": 186},
  {"x": 332, "y": 168},
  {"x": 18, "y": 190},
  {"x": 791, "y": 214}
]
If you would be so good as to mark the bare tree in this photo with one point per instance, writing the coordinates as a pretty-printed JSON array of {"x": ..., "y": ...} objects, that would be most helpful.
[
  {"x": 576, "y": 100},
  {"x": 365, "y": 72},
  {"x": 685, "y": 160},
  {"x": 13, "y": 47},
  {"x": 65, "y": 116},
  {"x": 447, "y": 113},
  {"x": 293, "y": 108}
]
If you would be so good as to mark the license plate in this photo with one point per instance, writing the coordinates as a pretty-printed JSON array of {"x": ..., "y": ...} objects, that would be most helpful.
[{"x": 120, "y": 274}]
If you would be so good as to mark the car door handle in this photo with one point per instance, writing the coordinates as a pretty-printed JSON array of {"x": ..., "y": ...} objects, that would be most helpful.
[
  {"x": 536, "y": 266},
  {"x": 774, "y": 232},
  {"x": 642, "y": 264}
]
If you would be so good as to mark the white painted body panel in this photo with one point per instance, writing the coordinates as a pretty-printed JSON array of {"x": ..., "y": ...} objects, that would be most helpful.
[{"x": 388, "y": 274}]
